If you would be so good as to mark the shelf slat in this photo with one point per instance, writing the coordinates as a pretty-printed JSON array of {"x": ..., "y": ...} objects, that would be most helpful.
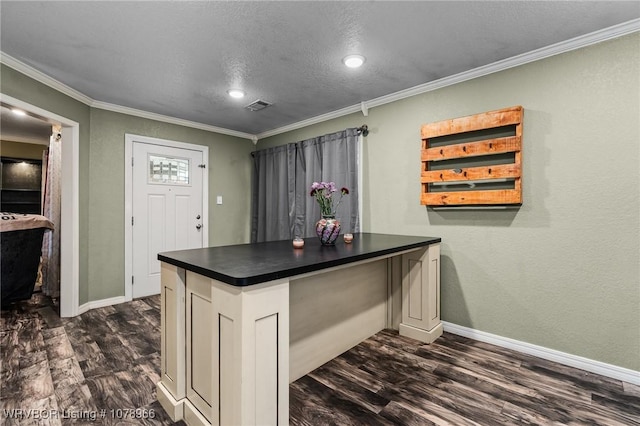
[
  {"x": 473, "y": 149},
  {"x": 472, "y": 173},
  {"x": 486, "y": 120},
  {"x": 463, "y": 198}
]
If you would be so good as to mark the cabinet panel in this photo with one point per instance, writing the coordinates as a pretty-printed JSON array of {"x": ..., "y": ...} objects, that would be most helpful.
[
  {"x": 199, "y": 343},
  {"x": 421, "y": 294},
  {"x": 172, "y": 326},
  {"x": 415, "y": 293},
  {"x": 251, "y": 341},
  {"x": 266, "y": 339},
  {"x": 334, "y": 311},
  {"x": 228, "y": 388},
  {"x": 433, "y": 296}
]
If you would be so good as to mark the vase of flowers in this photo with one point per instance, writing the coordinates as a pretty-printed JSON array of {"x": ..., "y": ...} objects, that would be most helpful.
[{"x": 328, "y": 227}]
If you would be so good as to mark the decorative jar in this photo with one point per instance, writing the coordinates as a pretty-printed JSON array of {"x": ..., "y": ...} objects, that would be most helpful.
[{"x": 328, "y": 229}]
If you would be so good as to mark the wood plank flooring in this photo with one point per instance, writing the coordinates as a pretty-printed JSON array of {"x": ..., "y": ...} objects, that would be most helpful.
[
  {"x": 108, "y": 359},
  {"x": 98, "y": 368},
  {"x": 390, "y": 380}
]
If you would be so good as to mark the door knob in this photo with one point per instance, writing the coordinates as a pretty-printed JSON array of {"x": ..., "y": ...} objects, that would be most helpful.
[
  {"x": 198, "y": 226},
  {"x": 198, "y": 217}
]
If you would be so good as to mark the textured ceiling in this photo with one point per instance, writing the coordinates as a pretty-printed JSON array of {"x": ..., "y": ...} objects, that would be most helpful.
[{"x": 179, "y": 58}]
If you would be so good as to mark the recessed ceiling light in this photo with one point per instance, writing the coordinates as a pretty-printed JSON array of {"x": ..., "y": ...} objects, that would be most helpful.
[
  {"x": 18, "y": 112},
  {"x": 353, "y": 61},
  {"x": 236, "y": 93}
]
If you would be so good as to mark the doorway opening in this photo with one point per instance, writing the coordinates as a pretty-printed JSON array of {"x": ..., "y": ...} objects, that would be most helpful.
[{"x": 69, "y": 200}]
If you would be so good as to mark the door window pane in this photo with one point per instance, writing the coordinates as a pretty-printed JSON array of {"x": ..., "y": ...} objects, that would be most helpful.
[{"x": 169, "y": 170}]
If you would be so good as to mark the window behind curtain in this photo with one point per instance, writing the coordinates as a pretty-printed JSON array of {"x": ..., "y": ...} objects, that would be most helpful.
[{"x": 281, "y": 205}]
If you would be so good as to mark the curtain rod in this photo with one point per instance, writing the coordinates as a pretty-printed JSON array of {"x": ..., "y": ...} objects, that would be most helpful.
[{"x": 364, "y": 130}]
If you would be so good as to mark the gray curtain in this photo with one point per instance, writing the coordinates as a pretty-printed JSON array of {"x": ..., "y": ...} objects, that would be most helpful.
[
  {"x": 272, "y": 192},
  {"x": 281, "y": 205}
]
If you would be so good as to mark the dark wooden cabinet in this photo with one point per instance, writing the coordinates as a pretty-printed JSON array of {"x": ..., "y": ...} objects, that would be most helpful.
[{"x": 20, "y": 185}]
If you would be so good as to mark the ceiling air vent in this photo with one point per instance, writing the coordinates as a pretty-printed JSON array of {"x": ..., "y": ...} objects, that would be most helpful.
[{"x": 257, "y": 105}]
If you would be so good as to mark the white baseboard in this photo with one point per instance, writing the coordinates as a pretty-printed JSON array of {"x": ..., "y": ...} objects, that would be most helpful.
[
  {"x": 608, "y": 370},
  {"x": 100, "y": 304}
]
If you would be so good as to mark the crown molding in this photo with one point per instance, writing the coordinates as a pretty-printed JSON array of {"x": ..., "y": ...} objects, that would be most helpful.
[
  {"x": 171, "y": 120},
  {"x": 514, "y": 61},
  {"x": 39, "y": 76},
  {"x": 575, "y": 43},
  {"x": 535, "y": 55},
  {"x": 313, "y": 120}
]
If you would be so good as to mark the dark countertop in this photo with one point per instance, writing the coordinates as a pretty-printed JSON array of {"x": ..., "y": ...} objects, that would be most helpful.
[{"x": 248, "y": 264}]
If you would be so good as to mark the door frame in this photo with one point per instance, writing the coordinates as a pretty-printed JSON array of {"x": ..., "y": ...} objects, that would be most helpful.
[
  {"x": 69, "y": 205},
  {"x": 129, "y": 139}
]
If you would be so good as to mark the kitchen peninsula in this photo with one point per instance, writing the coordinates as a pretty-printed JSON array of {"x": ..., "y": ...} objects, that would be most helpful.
[{"x": 239, "y": 323}]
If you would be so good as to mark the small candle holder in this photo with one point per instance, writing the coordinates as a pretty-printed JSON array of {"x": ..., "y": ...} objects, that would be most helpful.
[
  {"x": 298, "y": 242},
  {"x": 348, "y": 238}
]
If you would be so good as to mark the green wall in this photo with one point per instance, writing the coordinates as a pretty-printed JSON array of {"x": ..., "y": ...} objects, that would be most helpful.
[
  {"x": 102, "y": 180},
  {"x": 229, "y": 176},
  {"x": 562, "y": 271},
  {"x": 19, "y": 86}
]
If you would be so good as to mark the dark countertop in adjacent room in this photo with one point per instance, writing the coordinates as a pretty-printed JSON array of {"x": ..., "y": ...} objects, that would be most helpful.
[{"x": 248, "y": 264}]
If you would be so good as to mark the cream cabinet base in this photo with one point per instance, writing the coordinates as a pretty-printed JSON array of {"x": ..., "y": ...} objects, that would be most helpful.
[
  {"x": 236, "y": 355},
  {"x": 231, "y": 351},
  {"x": 421, "y": 294},
  {"x": 426, "y": 336},
  {"x": 250, "y": 354},
  {"x": 172, "y": 406}
]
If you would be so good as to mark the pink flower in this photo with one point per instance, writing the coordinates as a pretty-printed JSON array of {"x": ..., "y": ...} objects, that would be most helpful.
[{"x": 323, "y": 192}]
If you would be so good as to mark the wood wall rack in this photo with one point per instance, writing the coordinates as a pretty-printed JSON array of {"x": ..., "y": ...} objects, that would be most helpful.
[{"x": 458, "y": 153}]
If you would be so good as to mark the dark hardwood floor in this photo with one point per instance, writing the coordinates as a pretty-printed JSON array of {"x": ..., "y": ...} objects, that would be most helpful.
[
  {"x": 98, "y": 368},
  {"x": 391, "y": 380},
  {"x": 101, "y": 368}
]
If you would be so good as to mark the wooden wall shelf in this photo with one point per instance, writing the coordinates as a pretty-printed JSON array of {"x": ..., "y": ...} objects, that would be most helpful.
[{"x": 474, "y": 160}]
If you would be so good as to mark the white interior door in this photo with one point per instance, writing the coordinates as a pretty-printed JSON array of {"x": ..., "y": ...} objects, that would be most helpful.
[{"x": 167, "y": 209}]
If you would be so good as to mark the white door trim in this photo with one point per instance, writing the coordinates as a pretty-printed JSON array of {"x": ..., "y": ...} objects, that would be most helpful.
[
  {"x": 129, "y": 139},
  {"x": 70, "y": 210}
]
